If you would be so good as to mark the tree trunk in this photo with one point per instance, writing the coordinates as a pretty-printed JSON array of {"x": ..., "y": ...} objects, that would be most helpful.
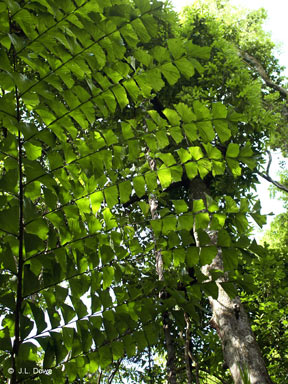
[
  {"x": 171, "y": 353},
  {"x": 240, "y": 349}
]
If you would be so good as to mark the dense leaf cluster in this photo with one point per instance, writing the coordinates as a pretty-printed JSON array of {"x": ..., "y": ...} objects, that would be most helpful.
[{"x": 79, "y": 132}]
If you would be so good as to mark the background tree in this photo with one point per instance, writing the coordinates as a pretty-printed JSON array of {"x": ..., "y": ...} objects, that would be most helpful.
[
  {"x": 268, "y": 303},
  {"x": 105, "y": 106}
]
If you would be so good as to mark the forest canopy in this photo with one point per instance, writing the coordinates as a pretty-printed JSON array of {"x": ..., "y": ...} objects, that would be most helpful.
[{"x": 131, "y": 144}]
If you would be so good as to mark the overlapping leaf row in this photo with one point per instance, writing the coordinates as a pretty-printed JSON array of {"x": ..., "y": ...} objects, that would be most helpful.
[
  {"x": 66, "y": 71},
  {"x": 49, "y": 184},
  {"x": 51, "y": 188}
]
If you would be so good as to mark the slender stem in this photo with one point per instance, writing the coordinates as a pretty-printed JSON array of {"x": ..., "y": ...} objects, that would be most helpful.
[
  {"x": 19, "y": 297},
  {"x": 187, "y": 349},
  {"x": 111, "y": 377},
  {"x": 99, "y": 378}
]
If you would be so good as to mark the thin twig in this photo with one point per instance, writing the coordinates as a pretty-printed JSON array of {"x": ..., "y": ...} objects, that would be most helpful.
[
  {"x": 188, "y": 359},
  {"x": 268, "y": 178},
  {"x": 99, "y": 378},
  {"x": 111, "y": 377},
  {"x": 269, "y": 162}
]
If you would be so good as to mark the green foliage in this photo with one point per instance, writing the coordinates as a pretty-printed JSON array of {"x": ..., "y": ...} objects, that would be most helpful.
[
  {"x": 83, "y": 150},
  {"x": 268, "y": 304}
]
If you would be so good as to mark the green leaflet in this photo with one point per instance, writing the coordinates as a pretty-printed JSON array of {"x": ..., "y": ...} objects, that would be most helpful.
[
  {"x": 185, "y": 67},
  {"x": 192, "y": 256},
  {"x": 9, "y": 181},
  {"x": 180, "y": 206},
  {"x": 185, "y": 222},
  {"x": 39, "y": 228},
  {"x": 204, "y": 167},
  {"x": 212, "y": 152},
  {"x": 165, "y": 177},
  {"x": 127, "y": 130},
  {"x": 129, "y": 35},
  {"x": 162, "y": 139},
  {"x": 96, "y": 201},
  {"x": 201, "y": 220},
  {"x": 191, "y": 131},
  {"x": 160, "y": 54},
  {"x": 125, "y": 190},
  {"x": 141, "y": 31},
  {"x": 218, "y": 221},
  {"x": 196, "y": 152},
  {"x": 167, "y": 159},
  {"x": 197, "y": 51},
  {"x": 32, "y": 151},
  {"x": 222, "y": 130},
  {"x": 223, "y": 238},
  {"x": 234, "y": 167},
  {"x": 219, "y": 111},
  {"x": 212, "y": 205},
  {"x": 151, "y": 181},
  {"x": 132, "y": 89},
  {"x": 176, "y": 48},
  {"x": 185, "y": 112},
  {"x": 211, "y": 289},
  {"x": 9, "y": 219},
  {"x": 170, "y": 73},
  {"x": 169, "y": 224},
  {"x": 201, "y": 111},
  {"x": 184, "y": 155},
  {"x": 191, "y": 170},
  {"x": 39, "y": 317},
  {"x": 143, "y": 57},
  {"x": 231, "y": 206},
  {"x": 206, "y": 130},
  {"x": 176, "y": 134},
  {"x": 230, "y": 258},
  {"x": 121, "y": 95},
  {"x": 176, "y": 173},
  {"x": 5, "y": 341},
  {"x": 207, "y": 254},
  {"x": 139, "y": 185},
  {"x": 178, "y": 256},
  {"x": 232, "y": 150},
  {"x": 31, "y": 282},
  {"x": 172, "y": 116},
  {"x": 108, "y": 276},
  {"x": 218, "y": 167},
  {"x": 111, "y": 196},
  {"x": 198, "y": 205}
]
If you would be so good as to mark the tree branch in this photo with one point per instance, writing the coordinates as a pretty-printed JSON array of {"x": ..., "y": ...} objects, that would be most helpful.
[
  {"x": 268, "y": 178},
  {"x": 259, "y": 68},
  {"x": 278, "y": 185}
]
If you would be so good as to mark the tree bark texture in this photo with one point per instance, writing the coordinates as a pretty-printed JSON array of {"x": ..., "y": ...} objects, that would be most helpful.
[{"x": 240, "y": 349}]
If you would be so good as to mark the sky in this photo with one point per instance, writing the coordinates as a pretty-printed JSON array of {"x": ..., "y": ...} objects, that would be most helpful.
[{"x": 276, "y": 24}]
